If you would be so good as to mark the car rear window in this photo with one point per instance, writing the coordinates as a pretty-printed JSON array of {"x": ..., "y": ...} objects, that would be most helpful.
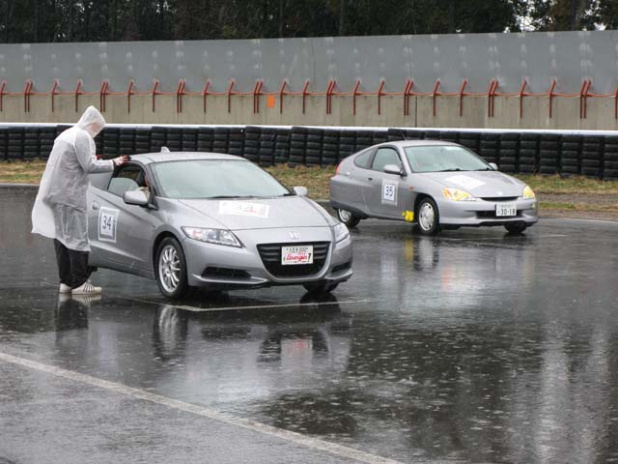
[
  {"x": 362, "y": 160},
  {"x": 203, "y": 179}
]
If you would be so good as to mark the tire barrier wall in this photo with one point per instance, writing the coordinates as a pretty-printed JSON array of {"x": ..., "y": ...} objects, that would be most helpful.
[{"x": 588, "y": 154}]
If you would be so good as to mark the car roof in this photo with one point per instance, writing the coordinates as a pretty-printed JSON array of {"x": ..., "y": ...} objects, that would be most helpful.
[
  {"x": 149, "y": 158},
  {"x": 418, "y": 143}
]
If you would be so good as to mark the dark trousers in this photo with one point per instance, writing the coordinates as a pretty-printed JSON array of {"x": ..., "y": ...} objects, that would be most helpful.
[{"x": 72, "y": 265}]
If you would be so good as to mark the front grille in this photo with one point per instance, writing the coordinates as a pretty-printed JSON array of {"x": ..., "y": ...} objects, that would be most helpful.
[
  {"x": 225, "y": 273},
  {"x": 271, "y": 257},
  {"x": 494, "y": 199}
]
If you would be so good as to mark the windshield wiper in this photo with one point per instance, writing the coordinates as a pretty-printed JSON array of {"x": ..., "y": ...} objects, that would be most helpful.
[
  {"x": 450, "y": 170},
  {"x": 484, "y": 169},
  {"x": 223, "y": 197}
]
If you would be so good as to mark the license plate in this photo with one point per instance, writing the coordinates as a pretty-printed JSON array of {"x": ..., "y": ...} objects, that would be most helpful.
[
  {"x": 292, "y": 255},
  {"x": 506, "y": 209}
]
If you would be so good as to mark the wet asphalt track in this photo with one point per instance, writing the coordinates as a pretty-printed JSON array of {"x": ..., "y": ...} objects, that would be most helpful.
[{"x": 473, "y": 346}]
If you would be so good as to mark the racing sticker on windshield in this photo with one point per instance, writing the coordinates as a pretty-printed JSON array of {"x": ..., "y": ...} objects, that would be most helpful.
[
  {"x": 389, "y": 192},
  {"x": 465, "y": 182},
  {"x": 108, "y": 219},
  {"x": 243, "y": 208}
]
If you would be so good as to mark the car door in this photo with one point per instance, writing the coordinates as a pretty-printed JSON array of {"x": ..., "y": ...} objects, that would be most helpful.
[
  {"x": 386, "y": 195},
  {"x": 121, "y": 235}
]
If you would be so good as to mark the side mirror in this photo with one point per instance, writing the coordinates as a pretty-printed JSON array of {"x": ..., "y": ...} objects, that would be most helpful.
[
  {"x": 135, "y": 197},
  {"x": 394, "y": 169},
  {"x": 301, "y": 191},
  {"x": 494, "y": 166}
]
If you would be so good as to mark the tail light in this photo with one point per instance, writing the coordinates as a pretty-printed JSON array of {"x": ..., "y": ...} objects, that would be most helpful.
[{"x": 338, "y": 168}]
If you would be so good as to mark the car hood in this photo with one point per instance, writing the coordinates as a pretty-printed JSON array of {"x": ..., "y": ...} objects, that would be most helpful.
[
  {"x": 480, "y": 184},
  {"x": 262, "y": 213}
]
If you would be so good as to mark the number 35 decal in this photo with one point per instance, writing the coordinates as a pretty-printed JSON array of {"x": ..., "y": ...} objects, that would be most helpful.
[
  {"x": 108, "y": 218},
  {"x": 389, "y": 192}
]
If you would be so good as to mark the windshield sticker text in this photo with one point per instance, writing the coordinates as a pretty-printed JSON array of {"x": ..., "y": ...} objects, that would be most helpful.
[
  {"x": 243, "y": 208},
  {"x": 465, "y": 182}
]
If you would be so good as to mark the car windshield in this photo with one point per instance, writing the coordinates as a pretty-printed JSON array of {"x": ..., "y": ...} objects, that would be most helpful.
[
  {"x": 202, "y": 179},
  {"x": 440, "y": 158}
]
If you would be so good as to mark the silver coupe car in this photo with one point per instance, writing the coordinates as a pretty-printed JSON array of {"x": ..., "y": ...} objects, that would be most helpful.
[
  {"x": 215, "y": 221},
  {"x": 431, "y": 184}
]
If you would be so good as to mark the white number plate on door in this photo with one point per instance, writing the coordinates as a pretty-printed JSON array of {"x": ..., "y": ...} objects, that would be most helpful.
[
  {"x": 291, "y": 255},
  {"x": 506, "y": 209}
]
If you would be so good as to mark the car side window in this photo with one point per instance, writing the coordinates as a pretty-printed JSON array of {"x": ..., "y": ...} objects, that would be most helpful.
[
  {"x": 127, "y": 178},
  {"x": 363, "y": 160},
  {"x": 386, "y": 156}
]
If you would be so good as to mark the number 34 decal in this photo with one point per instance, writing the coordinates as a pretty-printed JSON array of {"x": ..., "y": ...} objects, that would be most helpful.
[{"x": 108, "y": 218}]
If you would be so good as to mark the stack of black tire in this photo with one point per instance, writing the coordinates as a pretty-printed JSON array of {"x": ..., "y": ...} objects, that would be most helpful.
[
  {"x": 126, "y": 141},
  {"x": 266, "y": 152},
  {"x": 592, "y": 156},
  {"x": 252, "y": 143},
  {"x": 15, "y": 146},
  {"x": 142, "y": 141},
  {"x": 205, "y": 139},
  {"x": 610, "y": 158},
  {"x": 330, "y": 147},
  {"x": 471, "y": 140},
  {"x": 298, "y": 146},
  {"x": 174, "y": 138},
  {"x": 236, "y": 141},
  {"x": 364, "y": 139},
  {"x": 490, "y": 147},
  {"x": 347, "y": 143},
  {"x": 528, "y": 162},
  {"x": 282, "y": 146},
  {"x": 47, "y": 135},
  {"x": 509, "y": 150},
  {"x": 32, "y": 145},
  {"x": 111, "y": 142},
  {"x": 570, "y": 150},
  {"x": 158, "y": 139},
  {"x": 4, "y": 140},
  {"x": 549, "y": 153},
  {"x": 189, "y": 139}
]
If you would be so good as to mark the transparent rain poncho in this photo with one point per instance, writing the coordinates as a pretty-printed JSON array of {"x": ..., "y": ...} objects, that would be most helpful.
[{"x": 60, "y": 209}]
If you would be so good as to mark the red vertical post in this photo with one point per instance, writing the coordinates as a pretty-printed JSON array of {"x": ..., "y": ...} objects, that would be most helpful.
[
  {"x": 77, "y": 92},
  {"x": 583, "y": 98},
  {"x": 53, "y": 94},
  {"x": 27, "y": 92},
  {"x": 129, "y": 93},
  {"x": 229, "y": 95},
  {"x": 281, "y": 94},
  {"x": 329, "y": 95},
  {"x": 102, "y": 94},
  {"x": 491, "y": 95},
  {"x": 551, "y": 97},
  {"x": 522, "y": 94},
  {"x": 257, "y": 89},
  {"x": 205, "y": 92},
  {"x": 305, "y": 87},
  {"x": 461, "y": 95},
  {"x": 3, "y": 88},
  {"x": 354, "y": 94},
  {"x": 407, "y": 91},
  {"x": 180, "y": 90},
  {"x": 615, "y": 103},
  {"x": 434, "y": 94},
  {"x": 155, "y": 86},
  {"x": 380, "y": 89}
]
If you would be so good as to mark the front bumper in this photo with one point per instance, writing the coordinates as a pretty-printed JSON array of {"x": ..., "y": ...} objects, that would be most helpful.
[
  {"x": 221, "y": 267},
  {"x": 483, "y": 213}
]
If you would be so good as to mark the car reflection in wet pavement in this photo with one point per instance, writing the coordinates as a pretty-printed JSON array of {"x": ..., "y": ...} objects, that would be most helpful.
[{"x": 474, "y": 346}]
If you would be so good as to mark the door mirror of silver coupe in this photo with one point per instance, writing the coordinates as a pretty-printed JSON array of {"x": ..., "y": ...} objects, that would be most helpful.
[
  {"x": 135, "y": 197},
  {"x": 301, "y": 191},
  {"x": 494, "y": 166},
  {"x": 394, "y": 169}
]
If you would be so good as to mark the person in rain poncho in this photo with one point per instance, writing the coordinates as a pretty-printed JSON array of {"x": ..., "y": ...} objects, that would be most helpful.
[{"x": 60, "y": 208}]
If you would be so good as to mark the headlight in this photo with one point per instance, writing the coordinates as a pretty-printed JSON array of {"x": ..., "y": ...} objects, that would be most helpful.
[
  {"x": 528, "y": 193},
  {"x": 216, "y": 236},
  {"x": 341, "y": 232},
  {"x": 457, "y": 195}
]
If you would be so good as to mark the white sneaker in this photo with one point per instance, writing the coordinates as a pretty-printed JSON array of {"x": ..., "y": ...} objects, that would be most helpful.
[
  {"x": 64, "y": 289},
  {"x": 87, "y": 289}
]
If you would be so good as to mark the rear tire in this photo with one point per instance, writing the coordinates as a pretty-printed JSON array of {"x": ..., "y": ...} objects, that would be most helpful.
[
  {"x": 320, "y": 288},
  {"x": 171, "y": 269},
  {"x": 515, "y": 228},
  {"x": 428, "y": 217},
  {"x": 348, "y": 218}
]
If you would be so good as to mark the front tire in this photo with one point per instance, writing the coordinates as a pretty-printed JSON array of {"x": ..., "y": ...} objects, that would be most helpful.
[
  {"x": 348, "y": 218},
  {"x": 171, "y": 269},
  {"x": 428, "y": 222},
  {"x": 515, "y": 228}
]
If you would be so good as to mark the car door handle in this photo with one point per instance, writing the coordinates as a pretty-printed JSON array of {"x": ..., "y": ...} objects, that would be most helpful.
[{"x": 94, "y": 205}]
